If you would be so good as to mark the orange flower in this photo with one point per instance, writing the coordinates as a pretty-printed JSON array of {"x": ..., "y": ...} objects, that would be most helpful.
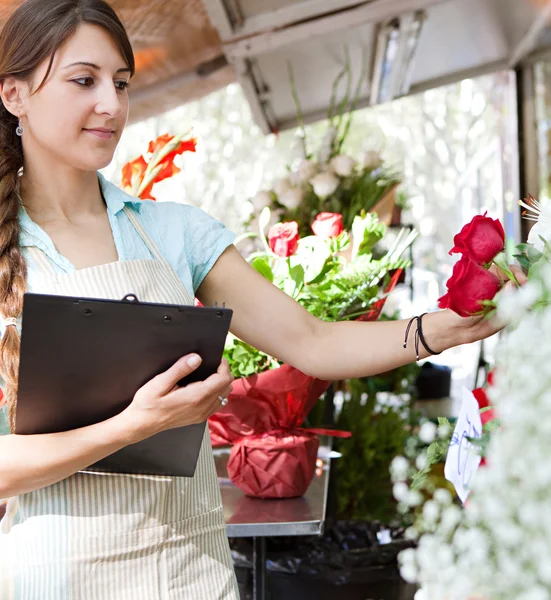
[
  {"x": 133, "y": 172},
  {"x": 184, "y": 146}
]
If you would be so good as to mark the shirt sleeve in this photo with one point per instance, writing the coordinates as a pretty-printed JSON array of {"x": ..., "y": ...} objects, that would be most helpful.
[
  {"x": 206, "y": 239},
  {"x": 4, "y": 422}
]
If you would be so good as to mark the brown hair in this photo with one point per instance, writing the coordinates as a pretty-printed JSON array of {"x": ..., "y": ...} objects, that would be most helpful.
[{"x": 33, "y": 34}]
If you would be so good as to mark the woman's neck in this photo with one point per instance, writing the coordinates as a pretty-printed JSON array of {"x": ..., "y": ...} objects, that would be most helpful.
[{"x": 64, "y": 194}]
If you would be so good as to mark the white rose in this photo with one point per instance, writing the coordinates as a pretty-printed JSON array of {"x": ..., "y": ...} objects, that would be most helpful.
[
  {"x": 372, "y": 160},
  {"x": 261, "y": 200},
  {"x": 324, "y": 184},
  {"x": 291, "y": 199},
  {"x": 343, "y": 165},
  {"x": 282, "y": 185},
  {"x": 306, "y": 170}
]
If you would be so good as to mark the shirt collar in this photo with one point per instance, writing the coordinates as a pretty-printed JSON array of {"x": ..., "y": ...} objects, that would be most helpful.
[{"x": 115, "y": 199}]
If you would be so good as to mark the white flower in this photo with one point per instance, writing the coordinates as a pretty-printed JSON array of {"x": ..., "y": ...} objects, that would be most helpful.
[
  {"x": 431, "y": 511},
  {"x": 372, "y": 160},
  {"x": 400, "y": 491},
  {"x": 324, "y": 184},
  {"x": 443, "y": 497},
  {"x": 444, "y": 430},
  {"x": 282, "y": 185},
  {"x": 261, "y": 200},
  {"x": 306, "y": 170},
  {"x": 343, "y": 165},
  {"x": 541, "y": 214},
  {"x": 421, "y": 462},
  {"x": 399, "y": 468},
  {"x": 292, "y": 198},
  {"x": 427, "y": 433}
]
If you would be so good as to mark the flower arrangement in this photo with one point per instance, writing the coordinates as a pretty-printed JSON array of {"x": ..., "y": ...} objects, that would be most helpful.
[
  {"x": 497, "y": 546},
  {"x": 141, "y": 174},
  {"x": 332, "y": 273},
  {"x": 328, "y": 180}
]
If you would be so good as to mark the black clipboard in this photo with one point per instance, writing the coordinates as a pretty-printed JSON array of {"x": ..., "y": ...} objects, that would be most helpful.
[{"x": 83, "y": 359}]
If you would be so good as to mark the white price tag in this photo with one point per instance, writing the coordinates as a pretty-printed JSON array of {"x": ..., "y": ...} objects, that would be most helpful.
[{"x": 463, "y": 458}]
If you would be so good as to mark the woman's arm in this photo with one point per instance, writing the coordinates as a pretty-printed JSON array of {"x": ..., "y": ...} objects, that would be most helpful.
[
  {"x": 30, "y": 462},
  {"x": 271, "y": 321}
]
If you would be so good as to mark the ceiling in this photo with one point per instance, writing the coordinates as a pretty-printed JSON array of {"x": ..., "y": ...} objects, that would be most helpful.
[
  {"x": 186, "y": 49},
  {"x": 456, "y": 39}
]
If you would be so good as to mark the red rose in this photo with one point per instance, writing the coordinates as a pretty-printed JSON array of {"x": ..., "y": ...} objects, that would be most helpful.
[
  {"x": 283, "y": 238},
  {"x": 482, "y": 239},
  {"x": 328, "y": 225},
  {"x": 469, "y": 284}
]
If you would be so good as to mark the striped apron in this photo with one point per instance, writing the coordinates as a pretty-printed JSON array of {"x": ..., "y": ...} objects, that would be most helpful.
[{"x": 104, "y": 536}]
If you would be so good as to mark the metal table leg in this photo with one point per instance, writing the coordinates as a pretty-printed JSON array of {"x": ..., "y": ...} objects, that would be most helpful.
[{"x": 259, "y": 568}]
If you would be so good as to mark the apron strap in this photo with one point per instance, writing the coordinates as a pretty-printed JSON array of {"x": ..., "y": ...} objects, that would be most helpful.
[
  {"x": 154, "y": 250},
  {"x": 144, "y": 235}
]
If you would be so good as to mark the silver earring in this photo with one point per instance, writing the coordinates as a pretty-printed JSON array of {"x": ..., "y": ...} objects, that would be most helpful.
[{"x": 19, "y": 129}]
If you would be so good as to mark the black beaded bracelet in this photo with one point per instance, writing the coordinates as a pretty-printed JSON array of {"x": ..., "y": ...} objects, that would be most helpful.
[{"x": 418, "y": 337}]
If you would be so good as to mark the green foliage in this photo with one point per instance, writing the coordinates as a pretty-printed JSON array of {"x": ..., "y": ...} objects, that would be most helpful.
[
  {"x": 379, "y": 433},
  {"x": 244, "y": 360},
  {"x": 364, "y": 488},
  {"x": 436, "y": 453}
]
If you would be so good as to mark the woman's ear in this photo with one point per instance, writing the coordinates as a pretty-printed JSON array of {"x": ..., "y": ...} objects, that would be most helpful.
[{"x": 13, "y": 93}]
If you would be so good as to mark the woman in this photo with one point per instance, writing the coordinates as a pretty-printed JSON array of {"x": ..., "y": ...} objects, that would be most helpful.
[{"x": 65, "y": 67}]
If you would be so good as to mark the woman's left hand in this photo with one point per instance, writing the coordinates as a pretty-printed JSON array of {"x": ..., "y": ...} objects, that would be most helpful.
[{"x": 479, "y": 327}]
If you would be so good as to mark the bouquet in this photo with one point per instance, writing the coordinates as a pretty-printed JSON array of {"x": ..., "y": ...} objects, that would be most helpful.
[
  {"x": 325, "y": 179},
  {"x": 334, "y": 274}
]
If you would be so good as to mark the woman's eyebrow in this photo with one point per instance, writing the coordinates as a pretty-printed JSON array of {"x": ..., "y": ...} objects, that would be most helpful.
[{"x": 94, "y": 66}]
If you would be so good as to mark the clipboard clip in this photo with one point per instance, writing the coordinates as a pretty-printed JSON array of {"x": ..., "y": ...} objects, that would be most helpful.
[{"x": 131, "y": 299}]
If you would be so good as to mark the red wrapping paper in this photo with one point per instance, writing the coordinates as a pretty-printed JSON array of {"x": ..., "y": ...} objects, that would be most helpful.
[
  {"x": 279, "y": 399},
  {"x": 272, "y": 457},
  {"x": 274, "y": 465}
]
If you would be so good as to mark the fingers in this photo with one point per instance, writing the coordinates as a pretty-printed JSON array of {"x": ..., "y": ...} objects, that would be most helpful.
[
  {"x": 219, "y": 381},
  {"x": 165, "y": 382},
  {"x": 519, "y": 274},
  {"x": 217, "y": 403}
]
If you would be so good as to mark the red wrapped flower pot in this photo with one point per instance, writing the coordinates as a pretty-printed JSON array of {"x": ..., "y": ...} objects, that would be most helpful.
[{"x": 278, "y": 464}]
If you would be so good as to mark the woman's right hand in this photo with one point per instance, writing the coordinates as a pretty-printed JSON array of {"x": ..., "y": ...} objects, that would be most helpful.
[{"x": 161, "y": 404}]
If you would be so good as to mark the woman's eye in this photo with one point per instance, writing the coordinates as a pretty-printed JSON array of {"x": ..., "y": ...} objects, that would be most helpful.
[
  {"x": 122, "y": 85},
  {"x": 84, "y": 81}
]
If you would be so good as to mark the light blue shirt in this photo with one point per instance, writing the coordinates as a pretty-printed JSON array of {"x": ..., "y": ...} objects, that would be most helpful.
[{"x": 188, "y": 238}]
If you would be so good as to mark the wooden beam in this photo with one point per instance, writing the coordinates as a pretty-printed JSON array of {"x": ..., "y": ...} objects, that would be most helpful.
[
  {"x": 219, "y": 17},
  {"x": 530, "y": 39},
  {"x": 294, "y": 13},
  {"x": 260, "y": 107},
  {"x": 374, "y": 11},
  {"x": 203, "y": 71}
]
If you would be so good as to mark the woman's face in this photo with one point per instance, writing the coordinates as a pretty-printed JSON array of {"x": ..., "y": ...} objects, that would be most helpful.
[{"x": 79, "y": 114}]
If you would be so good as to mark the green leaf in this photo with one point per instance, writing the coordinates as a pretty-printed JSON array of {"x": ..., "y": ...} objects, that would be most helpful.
[{"x": 263, "y": 267}]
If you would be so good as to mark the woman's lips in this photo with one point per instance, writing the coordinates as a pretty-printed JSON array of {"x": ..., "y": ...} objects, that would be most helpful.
[{"x": 104, "y": 134}]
